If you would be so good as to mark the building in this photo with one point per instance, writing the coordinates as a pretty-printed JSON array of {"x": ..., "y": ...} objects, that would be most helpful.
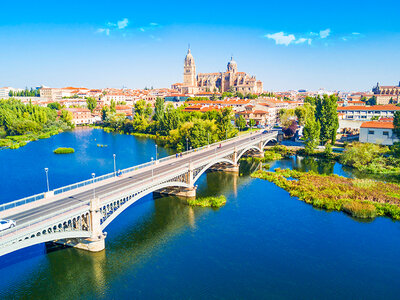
[
  {"x": 231, "y": 80},
  {"x": 4, "y": 92},
  {"x": 51, "y": 94},
  {"x": 81, "y": 116},
  {"x": 378, "y": 132},
  {"x": 387, "y": 94},
  {"x": 261, "y": 117},
  {"x": 357, "y": 113}
]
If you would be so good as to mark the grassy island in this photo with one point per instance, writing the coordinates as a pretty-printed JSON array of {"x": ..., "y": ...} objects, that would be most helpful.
[
  {"x": 62, "y": 150},
  {"x": 361, "y": 198},
  {"x": 208, "y": 201}
]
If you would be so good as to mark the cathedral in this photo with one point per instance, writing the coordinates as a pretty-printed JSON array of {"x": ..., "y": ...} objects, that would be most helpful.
[
  {"x": 387, "y": 94},
  {"x": 231, "y": 80}
]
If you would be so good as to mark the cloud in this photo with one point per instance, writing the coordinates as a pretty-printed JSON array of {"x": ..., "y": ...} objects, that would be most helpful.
[
  {"x": 280, "y": 38},
  {"x": 355, "y": 33},
  {"x": 324, "y": 33},
  {"x": 303, "y": 40},
  {"x": 110, "y": 27},
  {"x": 106, "y": 31},
  {"x": 123, "y": 23}
]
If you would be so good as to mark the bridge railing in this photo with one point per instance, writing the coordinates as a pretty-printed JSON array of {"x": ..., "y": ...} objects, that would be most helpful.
[
  {"x": 73, "y": 186},
  {"x": 15, "y": 233}
]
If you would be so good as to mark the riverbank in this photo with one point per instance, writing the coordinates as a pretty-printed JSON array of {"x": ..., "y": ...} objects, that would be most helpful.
[
  {"x": 361, "y": 198},
  {"x": 366, "y": 158}
]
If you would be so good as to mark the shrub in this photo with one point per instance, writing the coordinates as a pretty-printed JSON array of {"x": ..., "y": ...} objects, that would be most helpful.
[
  {"x": 214, "y": 202},
  {"x": 362, "y": 210}
]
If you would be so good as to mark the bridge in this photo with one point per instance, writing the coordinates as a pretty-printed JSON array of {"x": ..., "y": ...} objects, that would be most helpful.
[{"x": 77, "y": 215}]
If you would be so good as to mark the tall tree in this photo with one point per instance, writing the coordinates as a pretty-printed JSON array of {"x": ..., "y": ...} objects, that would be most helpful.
[
  {"x": 311, "y": 133},
  {"x": 396, "y": 123},
  {"x": 326, "y": 115},
  {"x": 159, "y": 110},
  {"x": 240, "y": 122},
  {"x": 91, "y": 103}
]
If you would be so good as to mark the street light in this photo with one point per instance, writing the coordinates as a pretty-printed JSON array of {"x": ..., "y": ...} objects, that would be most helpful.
[
  {"x": 187, "y": 147},
  {"x": 94, "y": 188},
  {"x": 152, "y": 169},
  {"x": 208, "y": 137},
  {"x": 156, "y": 152},
  {"x": 47, "y": 178},
  {"x": 115, "y": 169}
]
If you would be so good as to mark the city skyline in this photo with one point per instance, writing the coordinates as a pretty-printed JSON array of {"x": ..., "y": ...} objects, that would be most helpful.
[{"x": 295, "y": 46}]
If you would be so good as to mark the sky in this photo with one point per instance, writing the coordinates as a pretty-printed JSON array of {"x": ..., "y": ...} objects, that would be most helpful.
[{"x": 337, "y": 45}]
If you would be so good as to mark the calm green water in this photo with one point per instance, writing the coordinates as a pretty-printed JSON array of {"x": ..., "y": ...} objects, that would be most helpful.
[{"x": 262, "y": 244}]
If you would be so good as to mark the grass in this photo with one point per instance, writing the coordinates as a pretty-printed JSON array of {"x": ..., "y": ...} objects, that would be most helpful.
[
  {"x": 63, "y": 150},
  {"x": 214, "y": 202},
  {"x": 361, "y": 198}
]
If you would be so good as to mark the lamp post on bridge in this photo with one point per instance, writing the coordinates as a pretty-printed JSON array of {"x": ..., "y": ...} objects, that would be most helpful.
[
  {"x": 115, "y": 169},
  {"x": 46, "y": 170},
  {"x": 94, "y": 188},
  {"x": 187, "y": 145},
  {"x": 152, "y": 169},
  {"x": 156, "y": 152},
  {"x": 208, "y": 137}
]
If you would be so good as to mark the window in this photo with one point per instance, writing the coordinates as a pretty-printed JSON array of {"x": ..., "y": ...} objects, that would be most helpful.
[
  {"x": 371, "y": 132},
  {"x": 386, "y": 133}
]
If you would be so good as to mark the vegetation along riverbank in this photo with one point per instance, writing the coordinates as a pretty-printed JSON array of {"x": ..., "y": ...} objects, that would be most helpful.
[
  {"x": 20, "y": 123},
  {"x": 361, "y": 198}
]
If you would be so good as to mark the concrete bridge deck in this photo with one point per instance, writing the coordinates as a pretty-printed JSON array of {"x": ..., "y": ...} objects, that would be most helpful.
[{"x": 76, "y": 208}]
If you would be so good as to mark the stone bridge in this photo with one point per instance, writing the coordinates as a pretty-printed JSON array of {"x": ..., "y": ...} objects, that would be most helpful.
[{"x": 77, "y": 215}]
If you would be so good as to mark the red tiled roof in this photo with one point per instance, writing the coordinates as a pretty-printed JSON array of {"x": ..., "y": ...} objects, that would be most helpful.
[
  {"x": 374, "y": 107},
  {"x": 378, "y": 124}
]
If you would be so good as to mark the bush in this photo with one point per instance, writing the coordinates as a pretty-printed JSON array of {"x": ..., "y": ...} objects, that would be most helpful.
[
  {"x": 362, "y": 210},
  {"x": 62, "y": 150}
]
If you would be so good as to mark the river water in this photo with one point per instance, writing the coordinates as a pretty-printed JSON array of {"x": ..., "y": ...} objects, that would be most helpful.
[{"x": 261, "y": 244}]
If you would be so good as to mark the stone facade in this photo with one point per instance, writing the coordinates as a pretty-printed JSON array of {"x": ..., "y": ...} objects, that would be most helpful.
[
  {"x": 387, "y": 94},
  {"x": 231, "y": 80}
]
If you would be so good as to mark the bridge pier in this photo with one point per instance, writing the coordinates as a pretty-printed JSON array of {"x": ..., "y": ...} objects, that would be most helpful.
[{"x": 96, "y": 242}]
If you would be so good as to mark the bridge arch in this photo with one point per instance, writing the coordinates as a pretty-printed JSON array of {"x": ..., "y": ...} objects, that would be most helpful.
[
  {"x": 251, "y": 147},
  {"x": 114, "y": 208},
  {"x": 209, "y": 165},
  {"x": 269, "y": 140}
]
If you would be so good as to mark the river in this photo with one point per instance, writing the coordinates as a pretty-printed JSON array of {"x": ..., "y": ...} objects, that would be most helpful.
[{"x": 261, "y": 244}]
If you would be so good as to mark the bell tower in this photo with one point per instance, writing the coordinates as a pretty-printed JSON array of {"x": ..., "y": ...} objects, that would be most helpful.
[{"x": 189, "y": 70}]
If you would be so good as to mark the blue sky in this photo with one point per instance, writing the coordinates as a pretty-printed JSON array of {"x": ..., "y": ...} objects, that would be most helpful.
[{"x": 342, "y": 45}]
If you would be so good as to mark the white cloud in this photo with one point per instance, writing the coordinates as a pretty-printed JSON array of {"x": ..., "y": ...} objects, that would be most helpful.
[
  {"x": 142, "y": 29},
  {"x": 153, "y": 24},
  {"x": 303, "y": 40},
  {"x": 324, "y": 33},
  {"x": 280, "y": 38},
  {"x": 106, "y": 31},
  {"x": 123, "y": 23},
  {"x": 355, "y": 33}
]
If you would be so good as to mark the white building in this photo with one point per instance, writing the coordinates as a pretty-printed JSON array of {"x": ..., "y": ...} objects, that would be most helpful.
[
  {"x": 366, "y": 113},
  {"x": 378, "y": 132}
]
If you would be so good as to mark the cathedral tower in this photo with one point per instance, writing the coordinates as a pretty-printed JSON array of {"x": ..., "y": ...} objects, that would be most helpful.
[{"x": 189, "y": 73}]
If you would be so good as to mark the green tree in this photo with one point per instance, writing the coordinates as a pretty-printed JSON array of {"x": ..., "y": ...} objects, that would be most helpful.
[
  {"x": 113, "y": 106},
  {"x": 396, "y": 123},
  {"x": 240, "y": 122},
  {"x": 159, "y": 109},
  {"x": 326, "y": 115},
  {"x": 252, "y": 123},
  {"x": 54, "y": 105},
  {"x": 66, "y": 116},
  {"x": 311, "y": 133},
  {"x": 91, "y": 103}
]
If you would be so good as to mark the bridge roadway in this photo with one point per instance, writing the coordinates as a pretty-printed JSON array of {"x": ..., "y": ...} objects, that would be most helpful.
[{"x": 102, "y": 188}]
